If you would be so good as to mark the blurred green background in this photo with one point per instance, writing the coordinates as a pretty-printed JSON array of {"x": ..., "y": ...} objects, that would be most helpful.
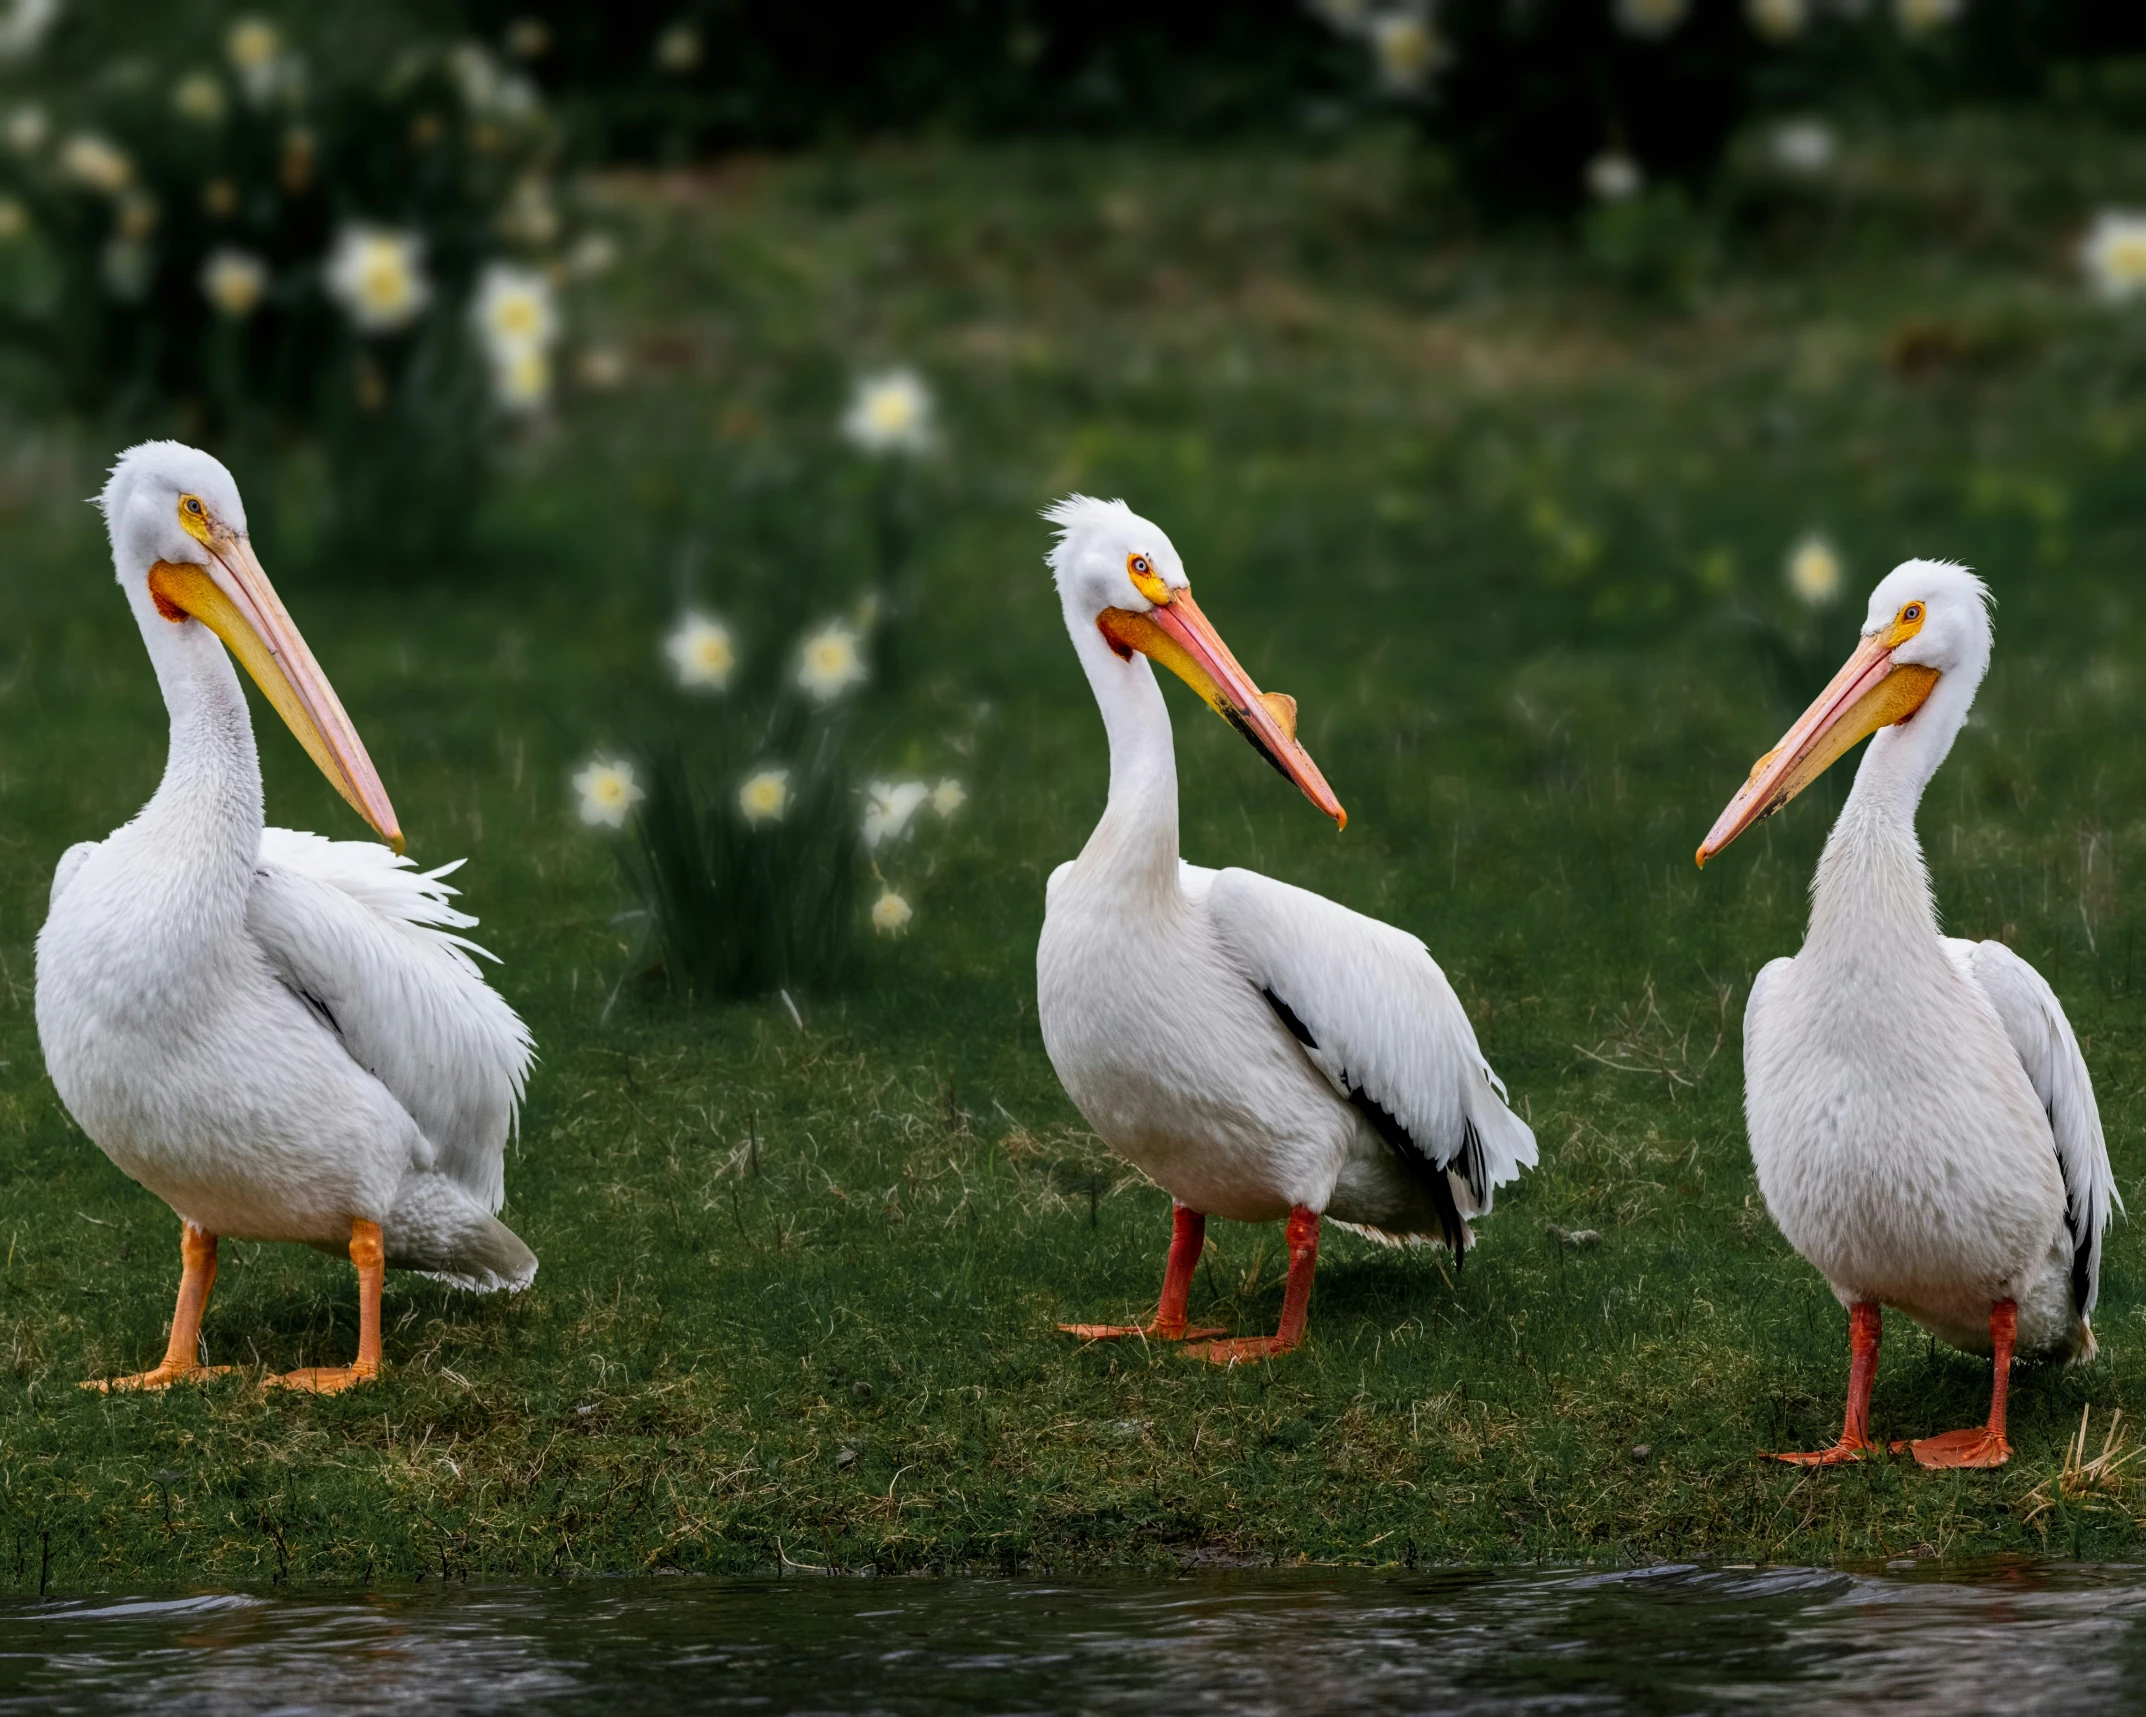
[{"x": 1548, "y": 472}]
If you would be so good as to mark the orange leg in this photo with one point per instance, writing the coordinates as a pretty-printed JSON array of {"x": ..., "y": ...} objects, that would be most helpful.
[
  {"x": 1303, "y": 1236},
  {"x": 1188, "y": 1233},
  {"x": 1863, "y": 1327},
  {"x": 1979, "y": 1445},
  {"x": 182, "y": 1354},
  {"x": 369, "y": 1258}
]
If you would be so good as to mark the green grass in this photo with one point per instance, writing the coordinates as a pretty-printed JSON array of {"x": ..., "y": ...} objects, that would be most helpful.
[{"x": 1513, "y": 540}]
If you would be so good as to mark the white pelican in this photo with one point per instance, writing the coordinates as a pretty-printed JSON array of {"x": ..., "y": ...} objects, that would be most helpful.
[
  {"x": 278, "y": 1035},
  {"x": 1256, "y": 1050},
  {"x": 1921, "y": 1118}
]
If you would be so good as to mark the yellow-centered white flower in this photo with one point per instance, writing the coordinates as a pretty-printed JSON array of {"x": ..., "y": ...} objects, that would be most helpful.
[
  {"x": 377, "y": 275},
  {"x": 1406, "y": 49},
  {"x": 764, "y": 797},
  {"x": 890, "y": 413},
  {"x": 235, "y": 281},
  {"x": 199, "y": 97},
  {"x": 890, "y": 913},
  {"x": 608, "y": 792},
  {"x": 1814, "y": 572},
  {"x": 702, "y": 652},
  {"x": 949, "y": 796},
  {"x": 831, "y": 662},
  {"x": 2114, "y": 254},
  {"x": 96, "y": 163}
]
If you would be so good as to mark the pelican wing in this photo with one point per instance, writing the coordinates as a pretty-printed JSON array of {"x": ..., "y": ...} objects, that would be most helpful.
[
  {"x": 63, "y": 873},
  {"x": 1377, "y": 1017},
  {"x": 369, "y": 943},
  {"x": 2034, "y": 1020}
]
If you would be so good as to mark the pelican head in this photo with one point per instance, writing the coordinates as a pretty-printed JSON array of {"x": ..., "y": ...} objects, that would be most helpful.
[
  {"x": 1121, "y": 575},
  {"x": 1928, "y": 622},
  {"x": 180, "y": 548}
]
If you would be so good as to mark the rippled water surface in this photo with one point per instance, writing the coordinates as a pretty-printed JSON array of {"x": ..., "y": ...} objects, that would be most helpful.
[{"x": 1667, "y": 1639}]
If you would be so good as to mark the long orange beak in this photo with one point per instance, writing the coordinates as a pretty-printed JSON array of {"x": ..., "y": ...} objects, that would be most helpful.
[
  {"x": 1176, "y": 634},
  {"x": 1871, "y": 691},
  {"x": 232, "y": 597}
]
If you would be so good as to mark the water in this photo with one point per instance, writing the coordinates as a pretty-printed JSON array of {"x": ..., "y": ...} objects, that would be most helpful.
[{"x": 2015, "y": 1638}]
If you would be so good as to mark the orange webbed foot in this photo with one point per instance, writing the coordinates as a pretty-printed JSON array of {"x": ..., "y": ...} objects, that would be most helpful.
[
  {"x": 1977, "y": 1446},
  {"x": 1242, "y": 1350},
  {"x": 163, "y": 1377},
  {"x": 1838, "y": 1455},
  {"x": 323, "y": 1379},
  {"x": 1157, "y": 1331}
]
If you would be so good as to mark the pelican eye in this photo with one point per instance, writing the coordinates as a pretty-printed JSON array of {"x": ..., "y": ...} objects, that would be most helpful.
[
  {"x": 1911, "y": 613},
  {"x": 1138, "y": 566}
]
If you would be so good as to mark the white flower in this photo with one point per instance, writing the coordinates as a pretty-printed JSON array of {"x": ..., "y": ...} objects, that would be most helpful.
[
  {"x": 608, "y": 792},
  {"x": 530, "y": 216},
  {"x": 890, "y": 913},
  {"x": 678, "y": 48},
  {"x": 948, "y": 797},
  {"x": 1778, "y": 20},
  {"x": 2114, "y": 254},
  {"x": 234, "y": 281},
  {"x": 521, "y": 380},
  {"x": 765, "y": 796},
  {"x": 831, "y": 662},
  {"x": 889, "y": 806},
  {"x": 24, "y": 26},
  {"x": 1406, "y": 50},
  {"x": 1613, "y": 175},
  {"x": 592, "y": 254},
  {"x": 1920, "y": 17},
  {"x": 701, "y": 652},
  {"x": 601, "y": 368},
  {"x": 377, "y": 276},
  {"x": 1650, "y": 19},
  {"x": 1345, "y": 17},
  {"x": 514, "y": 309},
  {"x": 890, "y": 413},
  {"x": 254, "y": 47},
  {"x": 95, "y": 163},
  {"x": 1803, "y": 145},
  {"x": 198, "y": 96},
  {"x": 1814, "y": 572},
  {"x": 27, "y": 128},
  {"x": 14, "y": 219}
]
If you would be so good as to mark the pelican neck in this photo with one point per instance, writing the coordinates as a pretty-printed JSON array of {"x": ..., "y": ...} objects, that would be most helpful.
[
  {"x": 205, "y": 816},
  {"x": 1137, "y": 836}
]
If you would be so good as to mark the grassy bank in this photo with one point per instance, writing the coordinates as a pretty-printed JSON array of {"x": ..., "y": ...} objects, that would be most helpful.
[{"x": 1512, "y": 536}]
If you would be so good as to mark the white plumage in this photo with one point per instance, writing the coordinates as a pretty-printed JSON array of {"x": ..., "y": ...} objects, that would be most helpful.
[
  {"x": 1255, "y": 1049},
  {"x": 1921, "y": 1118},
  {"x": 284, "y": 1037}
]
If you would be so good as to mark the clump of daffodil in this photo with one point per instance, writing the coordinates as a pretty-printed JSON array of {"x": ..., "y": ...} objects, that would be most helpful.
[
  {"x": 831, "y": 662},
  {"x": 2114, "y": 254},
  {"x": 1814, "y": 572},
  {"x": 235, "y": 281},
  {"x": 890, "y": 913},
  {"x": 608, "y": 792},
  {"x": 888, "y": 808},
  {"x": 764, "y": 796},
  {"x": 890, "y": 412},
  {"x": 377, "y": 275},
  {"x": 703, "y": 654}
]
